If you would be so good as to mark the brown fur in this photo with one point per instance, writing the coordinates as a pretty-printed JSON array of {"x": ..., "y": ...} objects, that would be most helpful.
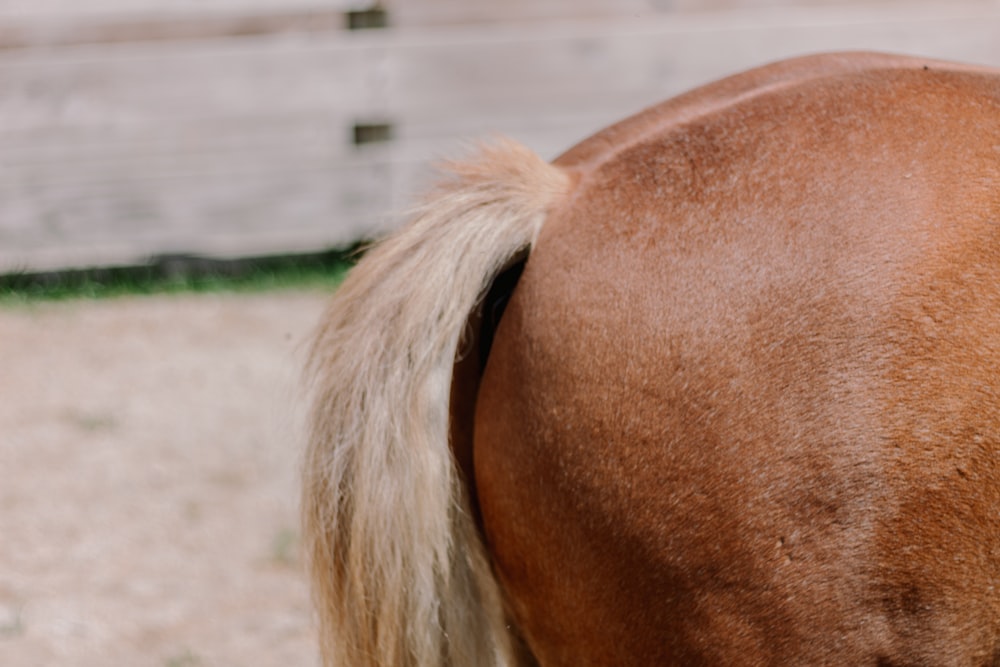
[{"x": 744, "y": 405}]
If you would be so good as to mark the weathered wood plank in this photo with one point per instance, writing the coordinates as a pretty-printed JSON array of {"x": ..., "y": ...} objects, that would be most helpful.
[
  {"x": 222, "y": 212},
  {"x": 243, "y": 145},
  {"x": 463, "y": 73},
  {"x": 44, "y": 31},
  {"x": 216, "y": 14},
  {"x": 411, "y": 13},
  {"x": 494, "y": 72},
  {"x": 76, "y": 8},
  {"x": 124, "y": 86}
]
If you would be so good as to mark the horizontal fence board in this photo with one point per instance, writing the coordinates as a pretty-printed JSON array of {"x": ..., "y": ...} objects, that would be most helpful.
[
  {"x": 49, "y": 32},
  {"x": 412, "y": 13},
  {"x": 224, "y": 214},
  {"x": 230, "y": 146},
  {"x": 72, "y": 20},
  {"x": 150, "y": 85},
  {"x": 60, "y": 9},
  {"x": 53, "y": 23},
  {"x": 496, "y": 71},
  {"x": 462, "y": 72},
  {"x": 85, "y": 152}
]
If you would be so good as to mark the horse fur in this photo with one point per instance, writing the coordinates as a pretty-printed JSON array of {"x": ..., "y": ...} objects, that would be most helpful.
[
  {"x": 397, "y": 588},
  {"x": 741, "y": 408}
]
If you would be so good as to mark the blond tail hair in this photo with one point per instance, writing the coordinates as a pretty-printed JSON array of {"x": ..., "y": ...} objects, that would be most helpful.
[{"x": 399, "y": 573}]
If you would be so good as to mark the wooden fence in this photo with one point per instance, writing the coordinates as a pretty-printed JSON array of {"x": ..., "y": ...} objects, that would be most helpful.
[{"x": 227, "y": 128}]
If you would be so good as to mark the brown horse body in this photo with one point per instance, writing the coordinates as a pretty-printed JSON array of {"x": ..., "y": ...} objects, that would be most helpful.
[
  {"x": 743, "y": 406},
  {"x": 745, "y": 402}
]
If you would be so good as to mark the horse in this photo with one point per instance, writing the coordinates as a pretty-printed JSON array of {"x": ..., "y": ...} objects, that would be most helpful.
[{"x": 720, "y": 385}]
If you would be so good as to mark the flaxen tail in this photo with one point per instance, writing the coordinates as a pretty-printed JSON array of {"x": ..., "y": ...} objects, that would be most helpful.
[{"x": 399, "y": 574}]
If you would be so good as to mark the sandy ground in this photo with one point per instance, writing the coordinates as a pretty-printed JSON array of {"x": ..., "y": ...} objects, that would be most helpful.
[{"x": 148, "y": 482}]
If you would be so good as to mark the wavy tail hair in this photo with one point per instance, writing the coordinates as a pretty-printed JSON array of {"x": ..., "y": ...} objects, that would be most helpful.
[{"x": 399, "y": 573}]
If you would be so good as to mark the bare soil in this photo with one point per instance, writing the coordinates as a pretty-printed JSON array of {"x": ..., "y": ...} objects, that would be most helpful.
[{"x": 149, "y": 457}]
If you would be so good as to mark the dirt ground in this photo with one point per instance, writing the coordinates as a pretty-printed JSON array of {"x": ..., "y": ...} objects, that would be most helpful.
[{"x": 149, "y": 456}]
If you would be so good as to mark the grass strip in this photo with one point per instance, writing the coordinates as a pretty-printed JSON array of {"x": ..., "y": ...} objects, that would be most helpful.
[{"x": 168, "y": 274}]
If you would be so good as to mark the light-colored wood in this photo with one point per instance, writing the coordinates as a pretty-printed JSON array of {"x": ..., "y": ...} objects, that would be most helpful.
[
  {"x": 79, "y": 8},
  {"x": 235, "y": 145},
  {"x": 411, "y": 13},
  {"x": 403, "y": 13},
  {"x": 19, "y": 32}
]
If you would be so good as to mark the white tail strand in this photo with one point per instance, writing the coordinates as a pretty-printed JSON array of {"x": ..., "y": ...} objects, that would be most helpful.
[{"x": 400, "y": 575}]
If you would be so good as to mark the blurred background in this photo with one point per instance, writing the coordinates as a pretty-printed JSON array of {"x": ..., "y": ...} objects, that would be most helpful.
[
  {"x": 131, "y": 128},
  {"x": 149, "y": 445}
]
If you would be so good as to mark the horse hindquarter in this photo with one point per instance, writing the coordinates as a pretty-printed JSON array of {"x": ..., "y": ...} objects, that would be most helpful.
[{"x": 743, "y": 405}]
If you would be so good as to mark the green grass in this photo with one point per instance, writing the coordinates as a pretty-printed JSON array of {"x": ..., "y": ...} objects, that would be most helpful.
[
  {"x": 284, "y": 546},
  {"x": 185, "y": 659},
  {"x": 180, "y": 274}
]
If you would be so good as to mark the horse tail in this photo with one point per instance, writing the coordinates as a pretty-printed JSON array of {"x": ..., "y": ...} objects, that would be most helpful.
[{"x": 399, "y": 572}]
